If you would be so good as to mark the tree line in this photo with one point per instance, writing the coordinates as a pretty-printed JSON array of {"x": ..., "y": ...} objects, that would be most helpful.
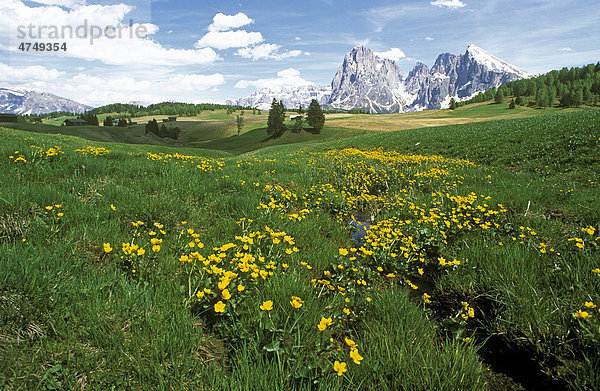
[
  {"x": 568, "y": 87},
  {"x": 164, "y": 108}
]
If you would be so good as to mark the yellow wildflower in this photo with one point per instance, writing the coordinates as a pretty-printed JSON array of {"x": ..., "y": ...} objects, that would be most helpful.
[
  {"x": 296, "y": 302},
  {"x": 339, "y": 367},
  {"x": 267, "y": 305},
  {"x": 219, "y": 306},
  {"x": 355, "y": 356}
]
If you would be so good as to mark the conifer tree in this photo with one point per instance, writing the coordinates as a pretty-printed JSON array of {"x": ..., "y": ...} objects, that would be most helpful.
[
  {"x": 315, "y": 116},
  {"x": 452, "y": 104},
  {"x": 499, "y": 98}
]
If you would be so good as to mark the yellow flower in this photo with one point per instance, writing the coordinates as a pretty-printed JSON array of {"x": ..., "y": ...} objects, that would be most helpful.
[
  {"x": 155, "y": 241},
  {"x": 343, "y": 251},
  {"x": 240, "y": 288},
  {"x": 184, "y": 259},
  {"x": 369, "y": 299},
  {"x": 48, "y": 208},
  {"x": 267, "y": 305},
  {"x": 219, "y": 306},
  {"x": 339, "y": 367},
  {"x": 225, "y": 294},
  {"x": 355, "y": 356},
  {"x": 590, "y": 304},
  {"x": 467, "y": 339},
  {"x": 346, "y": 311},
  {"x": 350, "y": 343},
  {"x": 156, "y": 248},
  {"x": 296, "y": 302},
  {"x": 141, "y": 252},
  {"x": 426, "y": 298},
  {"x": 107, "y": 248},
  {"x": 581, "y": 315},
  {"x": 324, "y": 323},
  {"x": 113, "y": 207}
]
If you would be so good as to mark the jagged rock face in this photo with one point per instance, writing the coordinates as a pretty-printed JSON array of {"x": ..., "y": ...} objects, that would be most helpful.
[
  {"x": 292, "y": 97},
  {"x": 460, "y": 77},
  {"x": 33, "y": 102},
  {"x": 365, "y": 81}
]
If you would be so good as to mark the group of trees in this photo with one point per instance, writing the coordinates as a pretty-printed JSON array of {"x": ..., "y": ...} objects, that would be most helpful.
[
  {"x": 164, "y": 108},
  {"x": 162, "y": 131},
  {"x": 108, "y": 121},
  {"x": 568, "y": 88},
  {"x": 276, "y": 126},
  {"x": 90, "y": 118}
]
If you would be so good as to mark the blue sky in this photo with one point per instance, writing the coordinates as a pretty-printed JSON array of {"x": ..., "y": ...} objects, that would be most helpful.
[{"x": 201, "y": 51}]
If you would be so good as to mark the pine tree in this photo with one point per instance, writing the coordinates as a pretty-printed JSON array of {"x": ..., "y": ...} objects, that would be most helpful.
[
  {"x": 452, "y": 104},
  {"x": 512, "y": 104},
  {"x": 275, "y": 126},
  {"x": 315, "y": 116},
  {"x": 499, "y": 97}
]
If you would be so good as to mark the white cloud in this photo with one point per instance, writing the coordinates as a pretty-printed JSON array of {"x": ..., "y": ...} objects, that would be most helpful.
[
  {"x": 394, "y": 54},
  {"x": 428, "y": 39},
  {"x": 72, "y": 4},
  {"x": 96, "y": 90},
  {"x": 222, "y": 40},
  {"x": 566, "y": 49},
  {"x": 449, "y": 3},
  {"x": 28, "y": 74},
  {"x": 266, "y": 51},
  {"x": 222, "y": 22},
  {"x": 87, "y": 24},
  {"x": 297, "y": 39},
  {"x": 286, "y": 78}
]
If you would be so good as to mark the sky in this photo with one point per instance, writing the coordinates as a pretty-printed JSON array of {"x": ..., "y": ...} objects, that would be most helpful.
[{"x": 201, "y": 51}]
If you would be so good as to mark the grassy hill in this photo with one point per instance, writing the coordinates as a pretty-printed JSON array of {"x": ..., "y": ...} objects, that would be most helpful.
[{"x": 447, "y": 257}]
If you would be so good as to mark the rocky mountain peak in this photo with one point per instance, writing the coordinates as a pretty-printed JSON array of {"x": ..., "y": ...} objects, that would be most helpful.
[{"x": 368, "y": 82}]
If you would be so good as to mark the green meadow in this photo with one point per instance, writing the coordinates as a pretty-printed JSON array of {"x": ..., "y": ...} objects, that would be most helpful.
[{"x": 455, "y": 257}]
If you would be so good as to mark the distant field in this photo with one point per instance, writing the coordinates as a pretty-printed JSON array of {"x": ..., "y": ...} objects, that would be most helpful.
[{"x": 471, "y": 113}]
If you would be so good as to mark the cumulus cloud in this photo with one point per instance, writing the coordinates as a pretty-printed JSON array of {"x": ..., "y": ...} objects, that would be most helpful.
[
  {"x": 285, "y": 78},
  {"x": 73, "y": 4},
  {"x": 126, "y": 45},
  {"x": 222, "y": 40},
  {"x": 222, "y": 22},
  {"x": 428, "y": 39},
  {"x": 266, "y": 51},
  {"x": 449, "y": 3},
  {"x": 394, "y": 54},
  {"x": 28, "y": 74},
  {"x": 97, "y": 90}
]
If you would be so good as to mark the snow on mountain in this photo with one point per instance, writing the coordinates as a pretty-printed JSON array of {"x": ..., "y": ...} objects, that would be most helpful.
[
  {"x": 494, "y": 63},
  {"x": 23, "y": 102},
  {"x": 366, "y": 81},
  {"x": 292, "y": 97}
]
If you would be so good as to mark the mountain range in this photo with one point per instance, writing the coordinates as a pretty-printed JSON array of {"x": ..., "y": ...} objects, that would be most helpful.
[
  {"x": 23, "y": 102},
  {"x": 367, "y": 82}
]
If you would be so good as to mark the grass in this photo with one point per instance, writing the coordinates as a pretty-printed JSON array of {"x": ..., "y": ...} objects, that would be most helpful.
[
  {"x": 467, "y": 114},
  {"x": 75, "y": 316}
]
